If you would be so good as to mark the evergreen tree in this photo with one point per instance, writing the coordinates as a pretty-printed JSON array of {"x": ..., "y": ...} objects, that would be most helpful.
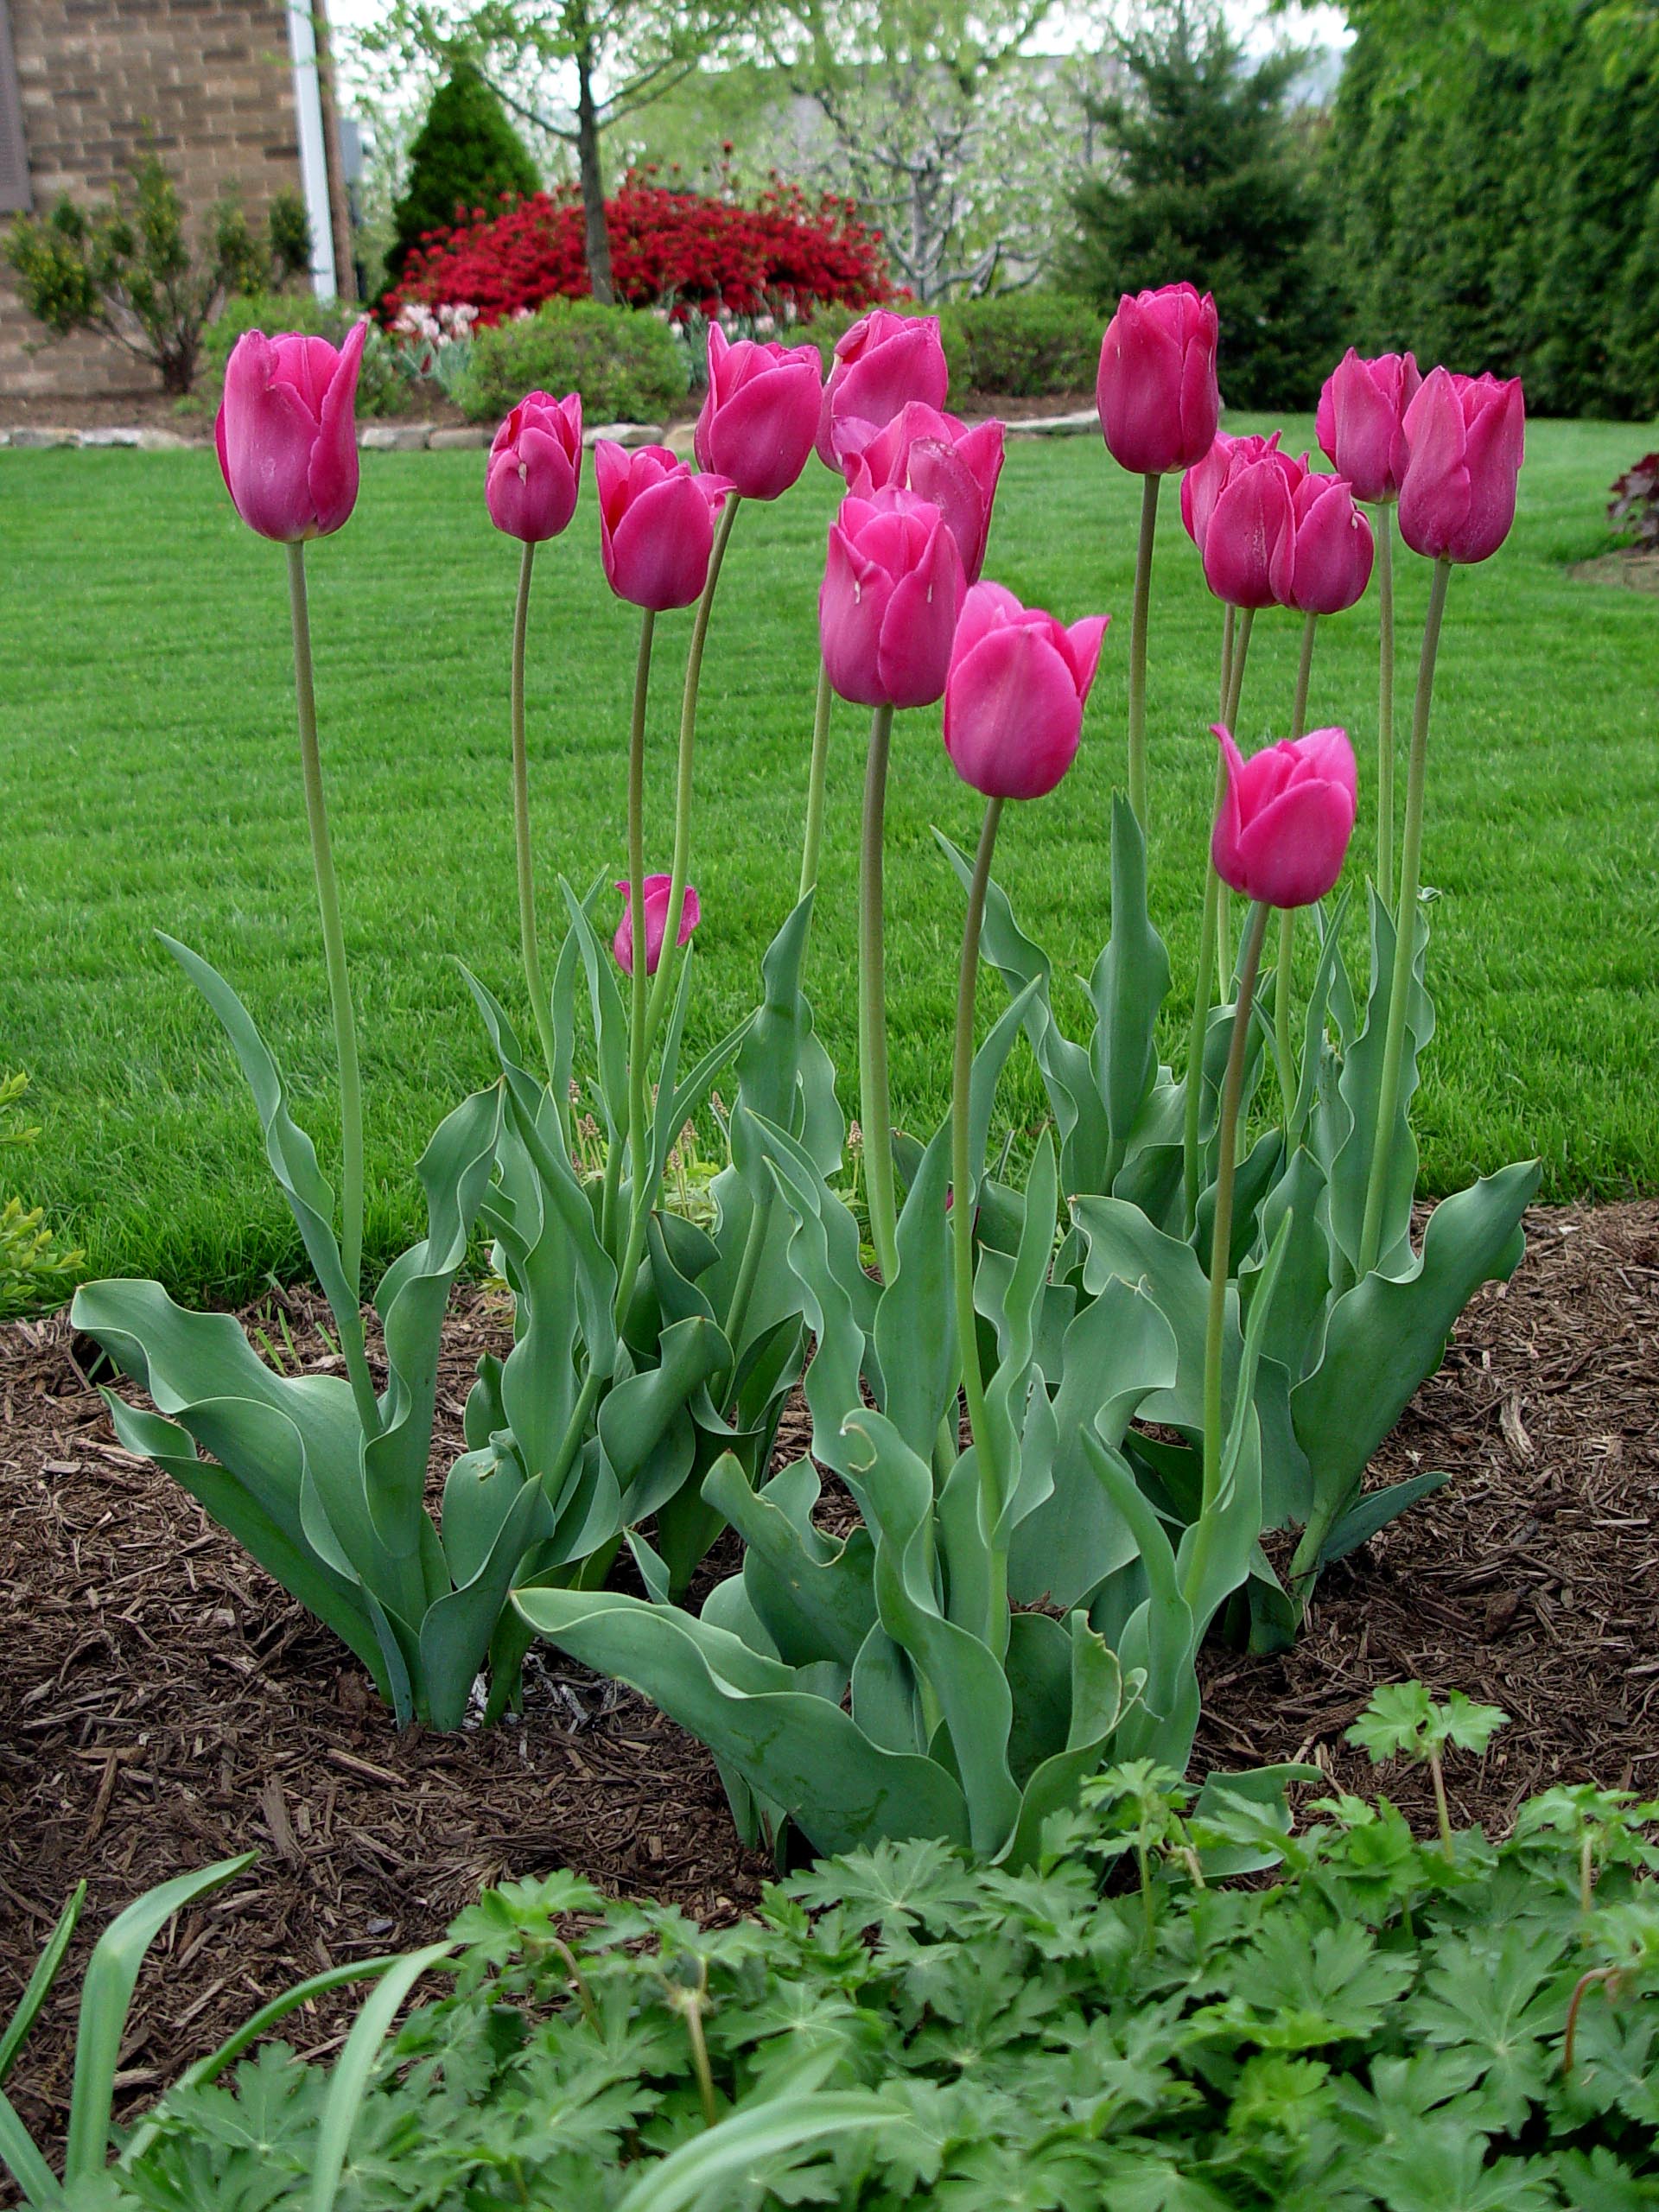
[
  {"x": 466, "y": 155},
  {"x": 1212, "y": 184}
]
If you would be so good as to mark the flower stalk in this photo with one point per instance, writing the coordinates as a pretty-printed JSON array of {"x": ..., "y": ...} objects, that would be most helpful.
[
  {"x": 1385, "y": 697},
  {"x": 1287, "y": 917},
  {"x": 1150, "y": 486},
  {"x": 818, "y": 774},
  {"x": 961, "y": 1216},
  {"x": 540, "y": 1007},
  {"x": 1405, "y": 920},
  {"x": 875, "y": 1103},
  {"x": 637, "y": 993},
  {"x": 1236, "y": 650}
]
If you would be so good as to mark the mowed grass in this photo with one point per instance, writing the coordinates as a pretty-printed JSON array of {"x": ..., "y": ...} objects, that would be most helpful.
[{"x": 148, "y": 780}]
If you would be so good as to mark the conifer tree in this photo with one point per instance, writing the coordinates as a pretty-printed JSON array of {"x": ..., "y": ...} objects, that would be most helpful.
[{"x": 466, "y": 155}]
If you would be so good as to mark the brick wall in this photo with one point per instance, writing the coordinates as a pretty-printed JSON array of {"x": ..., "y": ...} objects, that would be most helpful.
[{"x": 214, "y": 78}]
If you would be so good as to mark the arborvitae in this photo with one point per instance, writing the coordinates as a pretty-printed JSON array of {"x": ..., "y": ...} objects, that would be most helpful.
[
  {"x": 466, "y": 155},
  {"x": 1212, "y": 184}
]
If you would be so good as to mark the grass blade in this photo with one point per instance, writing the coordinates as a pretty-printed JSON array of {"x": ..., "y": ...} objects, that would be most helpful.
[
  {"x": 42, "y": 2191},
  {"x": 105, "y": 1996},
  {"x": 40, "y": 1982},
  {"x": 351, "y": 2077}
]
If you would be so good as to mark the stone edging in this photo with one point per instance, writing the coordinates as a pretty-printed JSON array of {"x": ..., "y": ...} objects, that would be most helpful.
[{"x": 427, "y": 437}]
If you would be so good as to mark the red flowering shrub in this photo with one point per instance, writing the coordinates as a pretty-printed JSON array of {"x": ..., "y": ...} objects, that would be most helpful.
[{"x": 682, "y": 250}]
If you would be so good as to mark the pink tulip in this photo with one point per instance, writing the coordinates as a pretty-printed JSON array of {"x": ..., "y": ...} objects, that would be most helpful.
[
  {"x": 938, "y": 458},
  {"x": 535, "y": 467},
  {"x": 893, "y": 588},
  {"x": 1361, "y": 421},
  {"x": 1156, "y": 390},
  {"x": 1286, "y": 817},
  {"x": 657, "y": 890},
  {"x": 1251, "y": 519},
  {"x": 656, "y": 524},
  {"x": 287, "y": 434},
  {"x": 1466, "y": 438},
  {"x": 1323, "y": 562},
  {"x": 1015, "y": 696},
  {"x": 1206, "y": 479},
  {"x": 883, "y": 362},
  {"x": 761, "y": 418}
]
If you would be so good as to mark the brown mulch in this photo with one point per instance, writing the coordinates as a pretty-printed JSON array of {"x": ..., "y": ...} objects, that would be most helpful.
[
  {"x": 162, "y": 1706},
  {"x": 1635, "y": 567}
]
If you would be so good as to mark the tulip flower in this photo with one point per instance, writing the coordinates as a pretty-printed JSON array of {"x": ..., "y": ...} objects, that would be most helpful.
[
  {"x": 1361, "y": 421},
  {"x": 1465, "y": 439},
  {"x": 656, "y": 524},
  {"x": 287, "y": 439},
  {"x": 1287, "y": 814},
  {"x": 535, "y": 467},
  {"x": 1156, "y": 388},
  {"x": 1205, "y": 482},
  {"x": 1251, "y": 521},
  {"x": 759, "y": 419},
  {"x": 881, "y": 364},
  {"x": 1159, "y": 406},
  {"x": 656, "y": 905},
  {"x": 1015, "y": 696},
  {"x": 893, "y": 588},
  {"x": 287, "y": 433},
  {"x": 938, "y": 458},
  {"x": 1323, "y": 562}
]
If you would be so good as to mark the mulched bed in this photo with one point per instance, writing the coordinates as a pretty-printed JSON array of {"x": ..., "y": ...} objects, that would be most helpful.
[{"x": 161, "y": 1705}]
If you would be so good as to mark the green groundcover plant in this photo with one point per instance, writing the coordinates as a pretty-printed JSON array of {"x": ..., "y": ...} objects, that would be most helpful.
[{"x": 1458, "y": 2026}]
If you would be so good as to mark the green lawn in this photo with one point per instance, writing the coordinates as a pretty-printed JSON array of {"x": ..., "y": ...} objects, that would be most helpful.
[{"x": 147, "y": 779}]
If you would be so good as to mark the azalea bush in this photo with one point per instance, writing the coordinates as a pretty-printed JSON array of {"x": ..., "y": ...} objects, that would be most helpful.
[
  {"x": 1060, "y": 1408},
  {"x": 1395, "y": 2023},
  {"x": 682, "y": 252}
]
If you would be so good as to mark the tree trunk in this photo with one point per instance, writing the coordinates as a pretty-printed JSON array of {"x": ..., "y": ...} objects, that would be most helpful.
[{"x": 593, "y": 179}]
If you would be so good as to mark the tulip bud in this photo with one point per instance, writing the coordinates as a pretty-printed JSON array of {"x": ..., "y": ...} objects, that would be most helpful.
[
  {"x": 1323, "y": 562},
  {"x": 1286, "y": 815},
  {"x": 287, "y": 433},
  {"x": 1205, "y": 482},
  {"x": 535, "y": 467},
  {"x": 893, "y": 588},
  {"x": 1015, "y": 696},
  {"x": 759, "y": 419},
  {"x": 1156, "y": 390},
  {"x": 1362, "y": 417},
  {"x": 883, "y": 362},
  {"x": 656, "y": 889},
  {"x": 656, "y": 524},
  {"x": 1465, "y": 439},
  {"x": 938, "y": 458}
]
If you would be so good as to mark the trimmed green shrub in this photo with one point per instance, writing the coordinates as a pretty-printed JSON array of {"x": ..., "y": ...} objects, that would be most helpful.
[
  {"x": 830, "y": 324},
  {"x": 1391, "y": 2025},
  {"x": 36, "y": 1271},
  {"x": 1029, "y": 344},
  {"x": 622, "y": 360},
  {"x": 466, "y": 155},
  {"x": 384, "y": 386}
]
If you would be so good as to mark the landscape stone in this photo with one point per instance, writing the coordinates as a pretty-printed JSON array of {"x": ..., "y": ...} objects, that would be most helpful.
[
  {"x": 456, "y": 440},
  {"x": 394, "y": 438},
  {"x": 1057, "y": 426},
  {"x": 126, "y": 435},
  {"x": 162, "y": 442},
  {"x": 624, "y": 433},
  {"x": 33, "y": 437}
]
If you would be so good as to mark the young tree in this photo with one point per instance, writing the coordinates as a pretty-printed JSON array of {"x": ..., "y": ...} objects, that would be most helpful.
[
  {"x": 939, "y": 126},
  {"x": 466, "y": 154},
  {"x": 1209, "y": 183},
  {"x": 617, "y": 55}
]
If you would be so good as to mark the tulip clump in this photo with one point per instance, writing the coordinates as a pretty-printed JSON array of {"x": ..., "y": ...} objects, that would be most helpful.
[{"x": 1182, "y": 1323}]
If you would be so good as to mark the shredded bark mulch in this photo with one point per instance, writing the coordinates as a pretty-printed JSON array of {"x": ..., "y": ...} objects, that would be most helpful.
[{"x": 162, "y": 1705}]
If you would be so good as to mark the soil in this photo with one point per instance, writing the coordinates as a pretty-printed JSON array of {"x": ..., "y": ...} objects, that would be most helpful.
[
  {"x": 162, "y": 1705},
  {"x": 1635, "y": 567}
]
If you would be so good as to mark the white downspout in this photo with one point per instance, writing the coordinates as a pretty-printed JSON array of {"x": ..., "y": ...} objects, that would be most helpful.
[{"x": 313, "y": 158}]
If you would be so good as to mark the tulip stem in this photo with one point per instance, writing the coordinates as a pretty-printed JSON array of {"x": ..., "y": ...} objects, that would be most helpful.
[
  {"x": 813, "y": 842},
  {"x": 539, "y": 1005},
  {"x": 340, "y": 997},
  {"x": 1385, "y": 698},
  {"x": 670, "y": 953},
  {"x": 1150, "y": 487},
  {"x": 1405, "y": 928},
  {"x": 876, "y": 1104},
  {"x": 1220, "y": 1242},
  {"x": 634, "y": 1128},
  {"x": 1224, "y": 897},
  {"x": 1287, "y": 917},
  {"x": 1234, "y": 647},
  {"x": 962, "y": 1219}
]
